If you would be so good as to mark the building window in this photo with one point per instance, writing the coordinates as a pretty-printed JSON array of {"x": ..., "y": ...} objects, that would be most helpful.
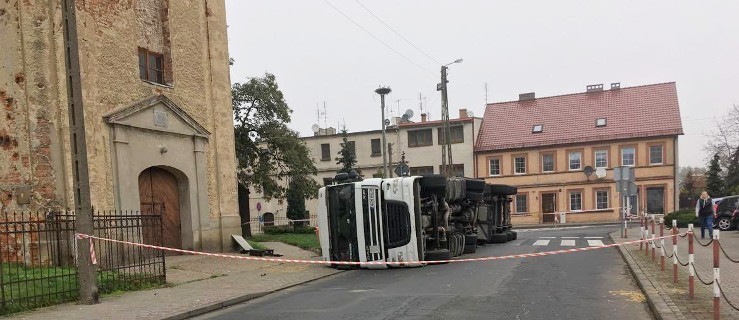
[
  {"x": 352, "y": 149},
  {"x": 575, "y": 160},
  {"x": 600, "y": 122},
  {"x": 456, "y": 132},
  {"x": 601, "y": 158},
  {"x": 376, "y": 144},
  {"x": 417, "y": 171},
  {"x": 325, "y": 152},
  {"x": 656, "y": 154},
  {"x": 601, "y": 199},
  {"x": 151, "y": 66},
  {"x": 575, "y": 201},
  {"x": 494, "y": 164},
  {"x": 537, "y": 128},
  {"x": 656, "y": 200},
  {"x": 519, "y": 164},
  {"x": 547, "y": 162},
  {"x": 457, "y": 170},
  {"x": 522, "y": 205},
  {"x": 420, "y": 138},
  {"x": 628, "y": 156}
]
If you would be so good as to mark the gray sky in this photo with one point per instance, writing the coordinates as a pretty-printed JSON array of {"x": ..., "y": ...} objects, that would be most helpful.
[{"x": 550, "y": 47}]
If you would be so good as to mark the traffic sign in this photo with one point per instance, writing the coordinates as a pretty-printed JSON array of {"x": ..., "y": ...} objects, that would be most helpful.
[
  {"x": 402, "y": 170},
  {"x": 259, "y": 206}
]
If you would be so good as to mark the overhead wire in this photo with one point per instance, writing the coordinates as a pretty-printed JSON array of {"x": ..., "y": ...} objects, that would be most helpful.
[
  {"x": 378, "y": 39},
  {"x": 396, "y": 32}
]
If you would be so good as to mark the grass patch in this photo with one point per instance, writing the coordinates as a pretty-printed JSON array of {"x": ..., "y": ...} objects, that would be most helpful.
[
  {"x": 256, "y": 245},
  {"x": 27, "y": 288},
  {"x": 300, "y": 240}
]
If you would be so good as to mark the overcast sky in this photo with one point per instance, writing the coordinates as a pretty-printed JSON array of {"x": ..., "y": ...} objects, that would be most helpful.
[{"x": 549, "y": 47}]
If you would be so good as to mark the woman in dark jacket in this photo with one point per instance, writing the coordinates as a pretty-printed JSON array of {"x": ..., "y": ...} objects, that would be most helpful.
[{"x": 704, "y": 211}]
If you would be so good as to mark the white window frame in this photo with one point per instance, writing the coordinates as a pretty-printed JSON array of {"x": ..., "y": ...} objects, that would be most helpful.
[
  {"x": 661, "y": 154},
  {"x": 569, "y": 160},
  {"x": 554, "y": 163},
  {"x": 572, "y": 193},
  {"x": 526, "y": 202},
  {"x": 596, "y": 158},
  {"x": 490, "y": 167},
  {"x": 633, "y": 153},
  {"x": 515, "y": 169},
  {"x": 608, "y": 200}
]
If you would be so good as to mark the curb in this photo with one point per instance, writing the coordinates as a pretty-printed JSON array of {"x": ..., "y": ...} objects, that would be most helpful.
[
  {"x": 564, "y": 225},
  {"x": 657, "y": 303},
  {"x": 237, "y": 300}
]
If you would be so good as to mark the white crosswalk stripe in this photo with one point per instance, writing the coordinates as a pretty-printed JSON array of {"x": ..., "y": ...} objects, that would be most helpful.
[
  {"x": 595, "y": 243},
  {"x": 568, "y": 243},
  {"x": 541, "y": 243},
  {"x": 562, "y": 241}
]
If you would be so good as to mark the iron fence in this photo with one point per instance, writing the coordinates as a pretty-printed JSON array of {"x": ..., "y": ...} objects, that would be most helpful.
[
  {"x": 38, "y": 256},
  {"x": 257, "y": 225}
]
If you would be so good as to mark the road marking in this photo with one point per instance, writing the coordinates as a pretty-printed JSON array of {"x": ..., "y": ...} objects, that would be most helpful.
[
  {"x": 541, "y": 242},
  {"x": 547, "y": 237},
  {"x": 593, "y": 237},
  {"x": 568, "y": 243},
  {"x": 570, "y": 237},
  {"x": 595, "y": 243}
]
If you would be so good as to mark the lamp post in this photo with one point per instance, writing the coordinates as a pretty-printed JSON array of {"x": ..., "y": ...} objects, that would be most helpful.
[
  {"x": 446, "y": 149},
  {"x": 382, "y": 91}
]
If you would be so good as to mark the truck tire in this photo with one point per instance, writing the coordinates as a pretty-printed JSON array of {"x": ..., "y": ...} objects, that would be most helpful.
[
  {"x": 515, "y": 235},
  {"x": 437, "y": 255},
  {"x": 499, "y": 238},
  {"x": 501, "y": 189},
  {"x": 433, "y": 184},
  {"x": 470, "y": 243}
]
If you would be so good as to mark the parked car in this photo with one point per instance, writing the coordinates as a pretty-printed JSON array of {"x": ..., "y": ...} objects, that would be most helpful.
[{"x": 725, "y": 209}]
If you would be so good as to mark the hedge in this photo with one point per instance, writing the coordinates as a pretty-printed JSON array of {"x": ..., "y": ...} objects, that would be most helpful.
[
  {"x": 288, "y": 229},
  {"x": 683, "y": 217}
]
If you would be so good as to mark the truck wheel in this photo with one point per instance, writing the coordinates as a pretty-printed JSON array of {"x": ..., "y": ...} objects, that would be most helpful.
[
  {"x": 433, "y": 184},
  {"x": 470, "y": 243},
  {"x": 501, "y": 189},
  {"x": 499, "y": 238},
  {"x": 437, "y": 255},
  {"x": 515, "y": 235}
]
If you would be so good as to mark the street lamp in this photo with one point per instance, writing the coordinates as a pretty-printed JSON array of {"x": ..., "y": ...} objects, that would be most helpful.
[
  {"x": 382, "y": 91},
  {"x": 446, "y": 148}
]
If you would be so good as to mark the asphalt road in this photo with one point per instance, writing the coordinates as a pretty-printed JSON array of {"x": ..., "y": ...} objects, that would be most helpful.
[{"x": 585, "y": 285}]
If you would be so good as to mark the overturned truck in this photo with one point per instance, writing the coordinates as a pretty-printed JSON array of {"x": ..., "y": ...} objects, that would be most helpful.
[{"x": 408, "y": 221}]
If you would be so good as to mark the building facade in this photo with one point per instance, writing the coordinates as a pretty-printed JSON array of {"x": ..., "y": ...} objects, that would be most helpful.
[
  {"x": 156, "y": 92},
  {"x": 545, "y": 147},
  {"x": 419, "y": 141}
]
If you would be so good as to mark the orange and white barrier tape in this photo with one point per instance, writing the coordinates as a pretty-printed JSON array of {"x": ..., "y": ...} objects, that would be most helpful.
[
  {"x": 93, "y": 258},
  {"x": 508, "y": 257}
]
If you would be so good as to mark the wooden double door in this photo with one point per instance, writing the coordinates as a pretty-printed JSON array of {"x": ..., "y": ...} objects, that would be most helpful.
[{"x": 160, "y": 195}]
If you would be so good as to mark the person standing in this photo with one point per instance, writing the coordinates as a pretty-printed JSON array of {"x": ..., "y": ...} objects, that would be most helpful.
[{"x": 704, "y": 212}]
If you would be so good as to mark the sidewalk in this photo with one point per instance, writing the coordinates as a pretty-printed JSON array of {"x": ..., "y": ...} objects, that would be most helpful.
[
  {"x": 562, "y": 225},
  {"x": 196, "y": 284},
  {"x": 670, "y": 301}
]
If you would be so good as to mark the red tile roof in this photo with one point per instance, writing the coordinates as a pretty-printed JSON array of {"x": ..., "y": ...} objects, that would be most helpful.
[
  {"x": 634, "y": 112},
  {"x": 432, "y": 123}
]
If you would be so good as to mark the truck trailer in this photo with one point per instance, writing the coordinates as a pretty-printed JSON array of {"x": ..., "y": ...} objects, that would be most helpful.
[{"x": 409, "y": 221}]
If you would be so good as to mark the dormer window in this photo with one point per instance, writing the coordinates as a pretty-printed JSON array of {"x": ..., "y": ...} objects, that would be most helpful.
[
  {"x": 600, "y": 122},
  {"x": 537, "y": 128}
]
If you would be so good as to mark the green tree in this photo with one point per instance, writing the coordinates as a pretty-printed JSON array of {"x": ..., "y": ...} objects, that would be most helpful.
[
  {"x": 688, "y": 189},
  {"x": 714, "y": 182},
  {"x": 347, "y": 154},
  {"x": 296, "y": 195},
  {"x": 731, "y": 183},
  {"x": 267, "y": 151}
]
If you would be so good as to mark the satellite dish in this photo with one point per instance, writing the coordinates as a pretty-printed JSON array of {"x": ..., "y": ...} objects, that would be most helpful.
[
  {"x": 409, "y": 113},
  {"x": 405, "y": 117},
  {"x": 588, "y": 170},
  {"x": 315, "y": 128},
  {"x": 600, "y": 173},
  {"x": 470, "y": 114},
  {"x": 387, "y": 122}
]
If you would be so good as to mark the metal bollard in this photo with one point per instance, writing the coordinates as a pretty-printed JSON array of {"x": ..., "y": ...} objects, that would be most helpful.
[
  {"x": 654, "y": 245},
  {"x": 691, "y": 259},
  {"x": 646, "y": 234},
  {"x": 641, "y": 231},
  {"x": 674, "y": 250},
  {"x": 662, "y": 243},
  {"x": 716, "y": 277}
]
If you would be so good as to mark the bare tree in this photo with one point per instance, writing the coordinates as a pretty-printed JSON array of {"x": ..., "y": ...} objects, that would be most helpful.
[{"x": 724, "y": 138}]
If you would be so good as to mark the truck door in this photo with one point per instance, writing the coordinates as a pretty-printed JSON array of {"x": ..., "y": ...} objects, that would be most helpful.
[{"x": 342, "y": 221}]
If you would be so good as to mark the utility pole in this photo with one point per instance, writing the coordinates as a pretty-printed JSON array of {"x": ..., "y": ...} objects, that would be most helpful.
[
  {"x": 382, "y": 91},
  {"x": 86, "y": 270},
  {"x": 446, "y": 150}
]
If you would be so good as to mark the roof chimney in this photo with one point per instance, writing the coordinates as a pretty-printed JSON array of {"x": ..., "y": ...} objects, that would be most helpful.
[
  {"x": 423, "y": 117},
  {"x": 615, "y": 85},
  {"x": 594, "y": 88},
  {"x": 527, "y": 96},
  {"x": 463, "y": 114}
]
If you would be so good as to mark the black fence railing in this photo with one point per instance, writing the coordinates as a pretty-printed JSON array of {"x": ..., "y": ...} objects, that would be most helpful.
[
  {"x": 38, "y": 256},
  {"x": 257, "y": 225}
]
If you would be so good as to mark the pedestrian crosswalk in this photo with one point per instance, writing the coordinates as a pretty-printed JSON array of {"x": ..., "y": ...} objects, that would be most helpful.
[{"x": 564, "y": 242}]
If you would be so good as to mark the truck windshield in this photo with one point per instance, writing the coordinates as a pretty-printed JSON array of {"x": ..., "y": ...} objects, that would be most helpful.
[{"x": 342, "y": 220}]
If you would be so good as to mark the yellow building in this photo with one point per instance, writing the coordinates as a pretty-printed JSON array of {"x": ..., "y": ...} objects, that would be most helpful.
[{"x": 544, "y": 146}]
